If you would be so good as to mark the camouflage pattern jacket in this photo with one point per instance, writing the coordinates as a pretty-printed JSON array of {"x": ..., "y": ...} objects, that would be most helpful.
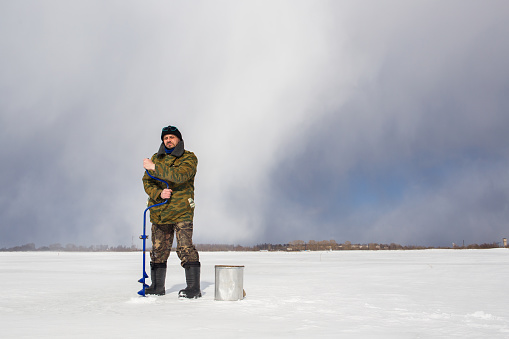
[{"x": 178, "y": 169}]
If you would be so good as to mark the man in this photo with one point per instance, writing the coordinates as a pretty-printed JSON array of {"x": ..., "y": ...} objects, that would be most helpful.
[{"x": 173, "y": 164}]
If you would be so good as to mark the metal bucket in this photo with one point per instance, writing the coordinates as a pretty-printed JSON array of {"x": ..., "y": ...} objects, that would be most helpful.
[{"x": 229, "y": 283}]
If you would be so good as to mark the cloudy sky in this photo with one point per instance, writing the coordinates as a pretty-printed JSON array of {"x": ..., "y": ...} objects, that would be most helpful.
[{"x": 367, "y": 121}]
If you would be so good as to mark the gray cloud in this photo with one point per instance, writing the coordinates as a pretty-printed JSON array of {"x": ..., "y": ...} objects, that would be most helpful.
[
  {"x": 379, "y": 122},
  {"x": 385, "y": 164}
]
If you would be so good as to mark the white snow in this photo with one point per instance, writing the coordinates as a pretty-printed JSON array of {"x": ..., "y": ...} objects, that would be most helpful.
[{"x": 347, "y": 294}]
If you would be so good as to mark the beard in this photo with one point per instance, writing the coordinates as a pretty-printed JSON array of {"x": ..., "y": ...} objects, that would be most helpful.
[{"x": 169, "y": 145}]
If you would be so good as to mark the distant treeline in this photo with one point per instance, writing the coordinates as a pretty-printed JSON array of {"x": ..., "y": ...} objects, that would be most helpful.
[
  {"x": 69, "y": 248},
  {"x": 292, "y": 246}
]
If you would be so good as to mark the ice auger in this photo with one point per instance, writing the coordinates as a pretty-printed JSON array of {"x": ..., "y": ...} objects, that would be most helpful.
[{"x": 144, "y": 237}]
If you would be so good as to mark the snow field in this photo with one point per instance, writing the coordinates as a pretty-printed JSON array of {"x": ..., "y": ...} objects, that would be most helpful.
[{"x": 346, "y": 294}]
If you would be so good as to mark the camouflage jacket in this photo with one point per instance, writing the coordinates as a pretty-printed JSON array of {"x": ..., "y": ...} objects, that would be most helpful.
[{"x": 178, "y": 169}]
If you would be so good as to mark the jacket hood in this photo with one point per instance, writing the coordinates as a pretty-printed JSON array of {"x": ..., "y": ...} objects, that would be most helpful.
[{"x": 178, "y": 151}]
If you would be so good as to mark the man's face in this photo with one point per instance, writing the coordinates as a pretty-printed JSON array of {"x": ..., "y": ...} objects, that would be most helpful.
[{"x": 170, "y": 140}]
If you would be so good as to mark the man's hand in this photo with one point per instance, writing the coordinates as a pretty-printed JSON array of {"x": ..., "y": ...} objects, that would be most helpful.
[
  {"x": 166, "y": 193},
  {"x": 149, "y": 164}
]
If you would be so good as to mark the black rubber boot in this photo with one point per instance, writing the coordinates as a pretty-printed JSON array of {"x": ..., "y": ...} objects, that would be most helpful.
[
  {"x": 192, "y": 291},
  {"x": 158, "y": 277}
]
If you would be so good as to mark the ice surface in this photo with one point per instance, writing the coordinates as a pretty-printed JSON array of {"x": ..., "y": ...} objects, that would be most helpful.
[{"x": 346, "y": 294}]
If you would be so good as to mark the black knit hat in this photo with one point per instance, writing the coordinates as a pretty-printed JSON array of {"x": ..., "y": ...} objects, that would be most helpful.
[{"x": 171, "y": 130}]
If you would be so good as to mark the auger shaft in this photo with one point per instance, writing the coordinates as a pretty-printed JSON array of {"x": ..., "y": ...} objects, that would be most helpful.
[{"x": 144, "y": 237}]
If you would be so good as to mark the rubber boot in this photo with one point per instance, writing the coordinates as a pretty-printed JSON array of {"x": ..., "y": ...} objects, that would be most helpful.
[
  {"x": 192, "y": 291},
  {"x": 158, "y": 277}
]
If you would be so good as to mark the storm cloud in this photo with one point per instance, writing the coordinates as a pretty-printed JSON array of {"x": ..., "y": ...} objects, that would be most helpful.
[{"x": 368, "y": 122}]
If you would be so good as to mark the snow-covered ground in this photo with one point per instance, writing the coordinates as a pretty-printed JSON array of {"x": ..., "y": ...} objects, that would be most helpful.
[{"x": 346, "y": 294}]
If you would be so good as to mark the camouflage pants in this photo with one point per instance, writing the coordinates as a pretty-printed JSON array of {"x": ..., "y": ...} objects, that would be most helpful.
[{"x": 162, "y": 240}]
